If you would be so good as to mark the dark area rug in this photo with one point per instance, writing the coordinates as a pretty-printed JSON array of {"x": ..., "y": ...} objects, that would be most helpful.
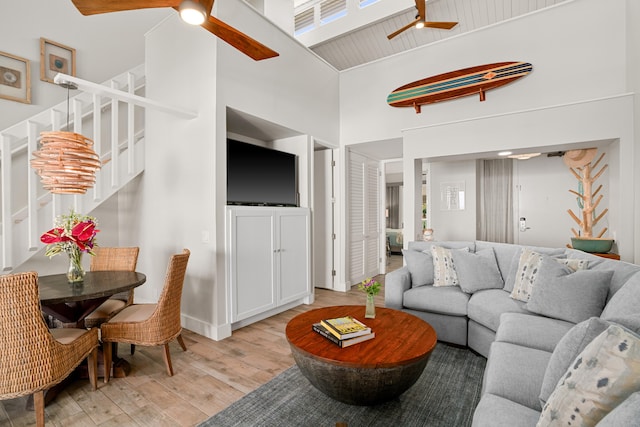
[{"x": 445, "y": 395}]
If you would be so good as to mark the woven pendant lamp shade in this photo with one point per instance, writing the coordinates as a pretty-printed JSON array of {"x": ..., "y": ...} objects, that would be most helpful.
[{"x": 66, "y": 162}]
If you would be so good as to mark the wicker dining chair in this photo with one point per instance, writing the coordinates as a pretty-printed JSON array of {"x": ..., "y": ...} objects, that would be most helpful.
[
  {"x": 118, "y": 259},
  {"x": 34, "y": 358},
  {"x": 150, "y": 324}
]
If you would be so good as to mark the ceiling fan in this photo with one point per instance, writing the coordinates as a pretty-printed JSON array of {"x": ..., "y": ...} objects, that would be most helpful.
[
  {"x": 421, "y": 21},
  {"x": 195, "y": 12}
]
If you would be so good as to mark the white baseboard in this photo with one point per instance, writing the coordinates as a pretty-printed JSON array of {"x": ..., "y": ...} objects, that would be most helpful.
[{"x": 206, "y": 329}]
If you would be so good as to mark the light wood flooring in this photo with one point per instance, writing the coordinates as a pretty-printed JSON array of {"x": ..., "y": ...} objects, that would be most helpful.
[{"x": 208, "y": 377}]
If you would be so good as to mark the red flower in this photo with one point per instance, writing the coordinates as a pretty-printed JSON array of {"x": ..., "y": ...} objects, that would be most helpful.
[
  {"x": 70, "y": 232},
  {"x": 53, "y": 236},
  {"x": 84, "y": 231}
]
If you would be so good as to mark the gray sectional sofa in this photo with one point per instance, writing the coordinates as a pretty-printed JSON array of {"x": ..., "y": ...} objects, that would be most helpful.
[{"x": 563, "y": 300}]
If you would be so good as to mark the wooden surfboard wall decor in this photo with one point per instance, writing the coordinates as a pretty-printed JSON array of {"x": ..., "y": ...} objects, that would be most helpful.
[{"x": 459, "y": 83}]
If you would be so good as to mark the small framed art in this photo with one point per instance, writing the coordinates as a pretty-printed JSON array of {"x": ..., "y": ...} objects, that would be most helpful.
[
  {"x": 56, "y": 58},
  {"x": 15, "y": 78},
  {"x": 452, "y": 196}
]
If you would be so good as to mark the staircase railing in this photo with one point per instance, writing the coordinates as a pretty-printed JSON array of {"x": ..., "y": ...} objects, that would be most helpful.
[{"x": 117, "y": 129}]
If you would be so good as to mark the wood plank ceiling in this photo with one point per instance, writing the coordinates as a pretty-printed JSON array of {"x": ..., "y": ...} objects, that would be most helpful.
[{"x": 370, "y": 43}]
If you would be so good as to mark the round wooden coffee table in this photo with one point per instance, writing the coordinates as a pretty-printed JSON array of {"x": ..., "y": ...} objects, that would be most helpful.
[{"x": 369, "y": 372}]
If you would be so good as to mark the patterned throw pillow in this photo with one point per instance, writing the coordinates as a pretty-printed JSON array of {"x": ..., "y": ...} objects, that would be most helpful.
[
  {"x": 444, "y": 272},
  {"x": 576, "y": 264},
  {"x": 601, "y": 377},
  {"x": 526, "y": 274},
  {"x": 528, "y": 268}
]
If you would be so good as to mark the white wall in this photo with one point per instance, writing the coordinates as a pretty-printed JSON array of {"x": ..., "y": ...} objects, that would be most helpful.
[
  {"x": 543, "y": 198},
  {"x": 566, "y": 100},
  {"x": 447, "y": 224},
  {"x": 594, "y": 68},
  {"x": 183, "y": 189},
  {"x": 174, "y": 207},
  {"x": 106, "y": 45}
]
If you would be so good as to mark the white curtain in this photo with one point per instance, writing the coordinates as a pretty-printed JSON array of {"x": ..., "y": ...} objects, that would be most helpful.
[{"x": 495, "y": 219}]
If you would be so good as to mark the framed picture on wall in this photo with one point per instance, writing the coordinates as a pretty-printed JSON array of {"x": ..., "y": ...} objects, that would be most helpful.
[
  {"x": 15, "y": 78},
  {"x": 56, "y": 58},
  {"x": 452, "y": 196}
]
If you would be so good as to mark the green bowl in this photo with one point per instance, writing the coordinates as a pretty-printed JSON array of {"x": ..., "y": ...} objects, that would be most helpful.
[{"x": 592, "y": 244}]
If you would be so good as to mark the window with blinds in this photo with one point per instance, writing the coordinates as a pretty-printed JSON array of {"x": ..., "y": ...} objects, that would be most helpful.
[
  {"x": 330, "y": 10},
  {"x": 304, "y": 21},
  {"x": 365, "y": 3}
]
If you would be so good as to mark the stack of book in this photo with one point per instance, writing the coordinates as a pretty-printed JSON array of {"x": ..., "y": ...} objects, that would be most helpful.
[{"x": 344, "y": 331}]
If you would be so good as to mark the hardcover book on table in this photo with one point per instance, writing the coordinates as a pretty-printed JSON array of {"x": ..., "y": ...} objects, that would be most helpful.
[
  {"x": 345, "y": 327},
  {"x": 318, "y": 328}
]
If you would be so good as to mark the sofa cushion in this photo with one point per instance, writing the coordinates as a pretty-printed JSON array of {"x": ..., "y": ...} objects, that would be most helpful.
[
  {"x": 510, "y": 279},
  {"x": 515, "y": 372},
  {"x": 477, "y": 271},
  {"x": 625, "y": 414},
  {"x": 496, "y": 411},
  {"x": 448, "y": 300},
  {"x": 603, "y": 375},
  {"x": 566, "y": 352},
  {"x": 542, "y": 333},
  {"x": 485, "y": 307},
  {"x": 420, "y": 265},
  {"x": 622, "y": 271},
  {"x": 529, "y": 265},
  {"x": 454, "y": 244},
  {"x": 626, "y": 301},
  {"x": 505, "y": 252},
  {"x": 560, "y": 293},
  {"x": 573, "y": 343},
  {"x": 444, "y": 272}
]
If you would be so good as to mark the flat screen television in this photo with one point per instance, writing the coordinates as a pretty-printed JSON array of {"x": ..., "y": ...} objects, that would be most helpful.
[{"x": 259, "y": 176}]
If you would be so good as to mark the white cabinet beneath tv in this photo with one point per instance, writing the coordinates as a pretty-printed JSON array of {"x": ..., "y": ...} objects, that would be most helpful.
[{"x": 268, "y": 261}]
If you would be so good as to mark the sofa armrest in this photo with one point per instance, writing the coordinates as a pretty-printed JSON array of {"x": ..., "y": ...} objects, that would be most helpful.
[{"x": 395, "y": 285}]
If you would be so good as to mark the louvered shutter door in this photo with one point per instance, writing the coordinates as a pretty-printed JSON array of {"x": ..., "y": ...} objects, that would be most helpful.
[
  {"x": 356, "y": 217},
  {"x": 372, "y": 232},
  {"x": 363, "y": 218}
]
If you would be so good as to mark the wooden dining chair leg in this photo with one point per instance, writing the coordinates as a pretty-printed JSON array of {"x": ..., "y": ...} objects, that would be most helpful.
[
  {"x": 167, "y": 360},
  {"x": 133, "y": 349},
  {"x": 92, "y": 362},
  {"x": 38, "y": 406},
  {"x": 107, "y": 350},
  {"x": 181, "y": 342}
]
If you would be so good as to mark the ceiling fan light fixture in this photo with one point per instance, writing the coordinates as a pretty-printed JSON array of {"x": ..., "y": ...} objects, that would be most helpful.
[
  {"x": 420, "y": 24},
  {"x": 192, "y": 12}
]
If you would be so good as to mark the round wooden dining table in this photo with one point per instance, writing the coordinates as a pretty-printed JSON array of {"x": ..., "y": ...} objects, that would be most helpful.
[{"x": 72, "y": 302}]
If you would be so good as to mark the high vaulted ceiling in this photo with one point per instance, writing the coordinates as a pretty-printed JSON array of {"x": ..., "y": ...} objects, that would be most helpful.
[{"x": 370, "y": 43}]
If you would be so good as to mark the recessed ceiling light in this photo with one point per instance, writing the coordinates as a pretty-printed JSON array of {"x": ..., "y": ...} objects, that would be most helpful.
[
  {"x": 504, "y": 153},
  {"x": 526, "y": 156}
]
